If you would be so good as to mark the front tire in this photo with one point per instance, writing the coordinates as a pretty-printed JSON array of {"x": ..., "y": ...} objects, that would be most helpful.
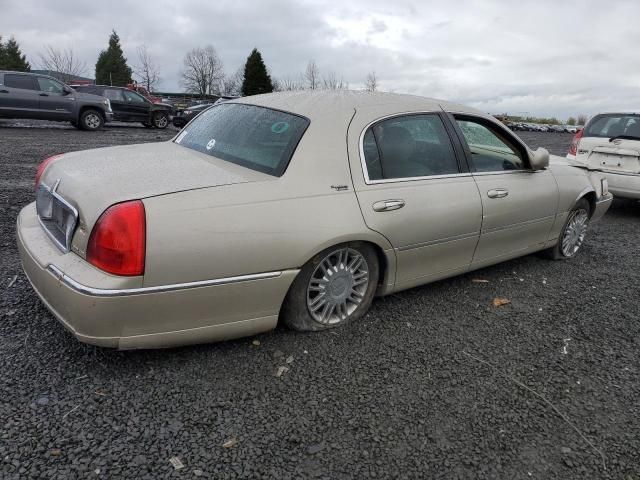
[
  {"x": 160, "y": 120},
  {"x": 573, "y": 233},
  {"x": 91, "y": 119},
  {"x": 332, "y": 289}
]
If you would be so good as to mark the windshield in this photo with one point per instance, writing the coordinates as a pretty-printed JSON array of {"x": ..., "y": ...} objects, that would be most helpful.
[
  {"x": 614, "y": 125},
  {"x": 255, "y": 137}
]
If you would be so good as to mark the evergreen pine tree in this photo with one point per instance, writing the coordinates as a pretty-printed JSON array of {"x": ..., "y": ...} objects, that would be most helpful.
[
  {"x": 256, "y": 78},
  {"x": 111, "y": 67},
  {"x": 11, "y": 58}
]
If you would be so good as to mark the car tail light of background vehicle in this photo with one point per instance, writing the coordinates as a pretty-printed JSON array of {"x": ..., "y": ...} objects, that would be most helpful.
[
  {"x": 573, "y": 149},
  {"x": 117, "y": 242},
  {"x": 43, "y": 166}
]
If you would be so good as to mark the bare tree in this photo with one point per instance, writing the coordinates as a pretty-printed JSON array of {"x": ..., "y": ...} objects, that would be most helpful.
[
  {"x": 371, "y": 83},
  {"x": 147, "y": 70},
  {"x": 582, "y": 119},
  {"x": 331, "y": 82},
  {"x": 232, "y": 84},
  {"x": 64, "y": 62},
  {"x": 312, "y": 75},
  {"x": 287, "y": 84},
  {"x": 202, "y": 71}
]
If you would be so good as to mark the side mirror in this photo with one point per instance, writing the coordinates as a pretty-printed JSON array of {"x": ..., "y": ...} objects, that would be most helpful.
[
  {"x": 539, "y": 159},
  {"x": 67, "y": 90}
]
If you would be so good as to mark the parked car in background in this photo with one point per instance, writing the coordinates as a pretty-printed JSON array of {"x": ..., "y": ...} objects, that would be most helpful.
[
  {"x": 40, "y": 97},
  {"x": 570, "y": 129},
  {"x": 610, "y": 145},
  {"x": 130, "y": 106},
  {"x": 300, "y": 206},
  {"x": 182, "y": 117}
]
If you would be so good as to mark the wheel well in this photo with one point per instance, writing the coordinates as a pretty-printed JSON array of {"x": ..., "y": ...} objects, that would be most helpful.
[
  {"x": 591, "y": 198},
  {"x": 89, "y": 107}
]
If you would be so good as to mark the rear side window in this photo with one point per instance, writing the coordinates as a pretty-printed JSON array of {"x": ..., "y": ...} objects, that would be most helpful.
[
  {"x": 24, "y": 82},
  {"x": 408, "y": 147},
  {"x": 613, "y": 125},
  {"x": 112, "y": 94},
  {"x": 255, "y": 137}
]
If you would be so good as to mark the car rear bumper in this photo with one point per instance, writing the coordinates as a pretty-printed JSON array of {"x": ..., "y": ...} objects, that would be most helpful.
[
  {"x": 109, "y": 311},
  {"x": 602, "y": 206},
  {"x": 623, "y": 185}
]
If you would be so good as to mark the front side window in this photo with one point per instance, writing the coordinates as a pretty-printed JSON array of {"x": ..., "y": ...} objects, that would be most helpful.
[
  {"x": 255, "y": 137},
  {"x": 614, "y": 125},
  {"x": 133, "y": 97},
  {"x": 491, "y": 150},
  {"x": 23, "y": 82},
  {"x": 49, "y": 85},
  {"x": 407, "y": 147}
]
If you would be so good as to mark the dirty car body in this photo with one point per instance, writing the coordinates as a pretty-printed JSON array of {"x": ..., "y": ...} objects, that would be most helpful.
[{"x": 274, "y": 204}]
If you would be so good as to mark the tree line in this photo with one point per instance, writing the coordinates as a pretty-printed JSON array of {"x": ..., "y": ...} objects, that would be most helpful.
[{"x": 202, "y": 73}]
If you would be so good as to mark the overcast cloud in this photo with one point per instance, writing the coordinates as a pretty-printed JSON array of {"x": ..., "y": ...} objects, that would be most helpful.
[{"x": 542, "y": 57}]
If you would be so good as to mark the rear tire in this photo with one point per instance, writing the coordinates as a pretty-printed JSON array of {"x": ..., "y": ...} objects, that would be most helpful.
[
  {"x": 332, "y": 289},
  {"x": 160, "y": 120},
  {"x": 573, "y": 232},
  {"x": 91, "y": 119}
]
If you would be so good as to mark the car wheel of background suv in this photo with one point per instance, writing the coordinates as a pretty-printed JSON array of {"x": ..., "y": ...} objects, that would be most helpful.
[
  {"x": 91, "y": 119},
  {"x": 160, "y": 120}
]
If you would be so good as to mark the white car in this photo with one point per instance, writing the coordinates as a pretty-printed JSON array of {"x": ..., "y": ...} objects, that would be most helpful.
[{"x": 610, "y": 144}]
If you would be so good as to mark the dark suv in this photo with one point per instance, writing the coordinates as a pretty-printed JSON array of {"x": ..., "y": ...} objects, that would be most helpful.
[
  {"x": 130, "y": 106},
  {"x": 28, "y": 95}
]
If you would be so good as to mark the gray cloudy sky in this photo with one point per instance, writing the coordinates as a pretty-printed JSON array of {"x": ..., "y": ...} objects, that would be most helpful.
[{"x": 544, "y": 57}]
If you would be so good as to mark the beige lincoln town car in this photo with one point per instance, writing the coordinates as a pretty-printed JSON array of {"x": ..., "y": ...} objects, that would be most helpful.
[{"x": 299, "y": 207}]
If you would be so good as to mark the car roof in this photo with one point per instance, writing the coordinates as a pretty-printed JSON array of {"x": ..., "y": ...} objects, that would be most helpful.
[{"x": 343, "y": 102}]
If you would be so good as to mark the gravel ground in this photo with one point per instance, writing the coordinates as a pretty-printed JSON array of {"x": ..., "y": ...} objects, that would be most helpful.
[{"x": 404, "y": 393}]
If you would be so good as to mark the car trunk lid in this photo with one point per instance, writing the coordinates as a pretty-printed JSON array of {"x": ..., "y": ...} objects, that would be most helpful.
[{"x": 93, "y": 180}]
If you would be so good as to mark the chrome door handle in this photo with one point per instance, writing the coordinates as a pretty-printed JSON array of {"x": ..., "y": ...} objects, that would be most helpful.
[
  {"x": 388, "y": 205},
  {"x": 497, "y": 193}
]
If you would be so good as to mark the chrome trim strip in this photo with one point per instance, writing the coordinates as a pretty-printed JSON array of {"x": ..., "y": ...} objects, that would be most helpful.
[
  {"x": 104, "y": 292},
  {"x": 454, "y": 238},
  {"x": 518, "y": 225}
]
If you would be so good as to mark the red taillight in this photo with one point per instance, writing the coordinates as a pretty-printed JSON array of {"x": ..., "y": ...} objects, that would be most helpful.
[
  {"x": 43, "y": 166},
  {"x": 118, "y": 240},
  {"x": 573, "y": 149}
]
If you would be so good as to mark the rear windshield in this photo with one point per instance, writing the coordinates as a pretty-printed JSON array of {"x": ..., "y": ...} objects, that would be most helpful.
[
  {"x": 255, "y": 137},
  {"x": 613, "y": 125}
]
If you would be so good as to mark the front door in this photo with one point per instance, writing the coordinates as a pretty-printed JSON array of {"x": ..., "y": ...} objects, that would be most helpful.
[
  {"x": 54, "y": 100},
  {"x": 413, "y": 189},
  {"x": 518, "y": 204},
  {"x": 138, "y": 108}
]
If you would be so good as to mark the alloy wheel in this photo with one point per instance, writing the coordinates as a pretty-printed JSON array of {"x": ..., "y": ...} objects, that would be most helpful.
[
  {"x": 575, "y": 232},
  {"x": 337, "y": 286}
]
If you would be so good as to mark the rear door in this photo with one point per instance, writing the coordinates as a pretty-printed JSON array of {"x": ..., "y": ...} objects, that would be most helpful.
[
  {"x": 19, "y": 96},
  {"x": 519, "y": 204},
  {"x": 414, "y": 189},
  {"x": 119, "y": 105},
  {"x": 57, "y": 104}
]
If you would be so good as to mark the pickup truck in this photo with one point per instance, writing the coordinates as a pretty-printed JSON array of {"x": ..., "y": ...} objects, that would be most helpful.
[{"x": 40, "y": 97}]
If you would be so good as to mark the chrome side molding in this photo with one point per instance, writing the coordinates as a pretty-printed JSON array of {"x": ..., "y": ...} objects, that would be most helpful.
[{"x": 104, "y": 292}]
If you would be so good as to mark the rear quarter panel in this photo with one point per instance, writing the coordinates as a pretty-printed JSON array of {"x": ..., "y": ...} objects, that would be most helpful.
[{"x": 261, "y": 226}]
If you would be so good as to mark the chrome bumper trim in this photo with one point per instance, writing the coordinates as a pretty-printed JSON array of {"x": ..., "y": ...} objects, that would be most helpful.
[{"x": 103, "y": 292}]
